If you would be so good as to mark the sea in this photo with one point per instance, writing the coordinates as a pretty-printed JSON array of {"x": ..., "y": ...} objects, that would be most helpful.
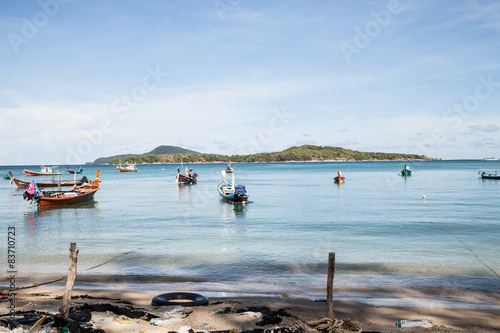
[{"x": 431, "y": 239}]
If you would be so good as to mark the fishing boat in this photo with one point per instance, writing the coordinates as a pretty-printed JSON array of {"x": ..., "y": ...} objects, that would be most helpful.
[
  {"x": 485, "y": 175},
  {"x": 406, "y": 171},
  {"x": 54, "y": 183},
  {"x": 231, "y": 192},
  {"x": 187, "y": 178},
  {"x": 44, "y": 171},
  {"x": 61, "y": 198},
  {"x": 126, "y": 167},
  {"x": 229, "y": 169},
  {"x": 339, "y": 178},
  {"x": 6, "y": 177},
  {"x": 73, "y": 171}
]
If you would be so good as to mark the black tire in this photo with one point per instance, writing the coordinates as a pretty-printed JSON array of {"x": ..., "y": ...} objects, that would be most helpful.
[{"x": 167, "y": 299}]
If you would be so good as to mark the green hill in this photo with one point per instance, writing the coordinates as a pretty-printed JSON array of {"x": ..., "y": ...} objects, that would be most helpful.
[
  {"x": 303, "y": 153},
  {"x": 160, "y": 150},
  {"x": 106, "y": 160}
]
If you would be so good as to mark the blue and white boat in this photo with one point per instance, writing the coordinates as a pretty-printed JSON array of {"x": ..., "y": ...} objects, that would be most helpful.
[{"x": 231, "y": 192}]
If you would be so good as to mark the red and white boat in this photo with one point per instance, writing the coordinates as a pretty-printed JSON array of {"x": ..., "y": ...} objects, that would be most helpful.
[
  {"x": 44, "y": 171},
  {"x": 339, "y": 178},
  {"x": 54, "y": 183}
]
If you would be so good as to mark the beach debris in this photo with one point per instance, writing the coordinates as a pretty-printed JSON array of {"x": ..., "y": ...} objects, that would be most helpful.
[
  {"x": 225, "y": 311},
  {"x": 252, "y": 314},
  {"x": 128, "y": 311},
  {"x": 414, "y": 323},
  {"x": 335, "y": 326},
  {"x": 122, "y": 320},
  {"x": 37, "y": 325},
  {"x": 179, "y": 312},
  {"x": 166, "y": 321},
  {"x": 185, "y": 329}
]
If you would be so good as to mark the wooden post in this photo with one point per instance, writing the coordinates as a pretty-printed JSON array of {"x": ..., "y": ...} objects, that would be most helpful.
[
  {"x": 70, "y": 281},
  {"x": 329, "y": 285}
]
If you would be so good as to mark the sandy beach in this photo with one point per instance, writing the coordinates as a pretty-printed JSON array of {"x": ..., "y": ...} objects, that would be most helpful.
[{"x": 119, "y": 311}]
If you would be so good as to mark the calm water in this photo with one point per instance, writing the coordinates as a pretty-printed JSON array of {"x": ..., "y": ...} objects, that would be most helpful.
[{"x": 391, "y": 243}]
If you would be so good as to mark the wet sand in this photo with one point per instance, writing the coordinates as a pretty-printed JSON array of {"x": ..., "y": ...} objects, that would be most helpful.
[{"x": 293, "y": 314}]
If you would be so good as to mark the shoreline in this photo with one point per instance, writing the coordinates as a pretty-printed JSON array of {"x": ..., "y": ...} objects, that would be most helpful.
[{"x": 366, "y": 316}]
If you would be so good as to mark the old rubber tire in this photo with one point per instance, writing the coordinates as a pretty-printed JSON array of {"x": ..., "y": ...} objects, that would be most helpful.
[{"x": 169, "y": 299}]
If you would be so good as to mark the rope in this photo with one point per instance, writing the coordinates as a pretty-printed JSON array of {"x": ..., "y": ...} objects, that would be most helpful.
[
  {"x": 330, "y": 326},
  {"x": 88, "y": 269},
  {"x": 453, "y": 232},
  {"x": 34, "y": 285},
  {"x": 468, "y": 248}
]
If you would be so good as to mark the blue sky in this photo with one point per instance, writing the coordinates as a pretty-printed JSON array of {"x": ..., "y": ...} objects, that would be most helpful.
[{"x": 86, "y": 79}]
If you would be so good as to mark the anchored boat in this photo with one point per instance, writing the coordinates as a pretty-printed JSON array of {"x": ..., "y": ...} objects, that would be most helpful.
[
  {"x": 44, "y": 171},
  {"x": 231, "y": 192},
  {"x": 406, "y": 171},
  {"x": 339, "y": 178},
  {"x": 187, "y": 178},
  {"x": 23, "y": 184},
  {"x": 60, "y": 198},
  {"x": 73, "y": 171},
  {"x": 126, "y": 167},
  {"x": 485, "y": 175}
]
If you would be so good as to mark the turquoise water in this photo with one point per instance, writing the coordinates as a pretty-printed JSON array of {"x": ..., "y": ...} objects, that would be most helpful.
[{"x": 391, "y": 242}]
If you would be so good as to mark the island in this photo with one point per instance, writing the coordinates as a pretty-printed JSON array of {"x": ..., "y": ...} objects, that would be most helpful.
[{"x": 304, "y": 153}]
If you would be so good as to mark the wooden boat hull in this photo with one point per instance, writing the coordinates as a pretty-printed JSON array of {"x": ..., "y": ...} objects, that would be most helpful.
[
  {"x": 64, "y": 199},
  {"x": 79, "y": 194},
  {"x": 338, "y": 179},
  {"x": 23, "y": 184},
  {"x": 182, "y": 179}
]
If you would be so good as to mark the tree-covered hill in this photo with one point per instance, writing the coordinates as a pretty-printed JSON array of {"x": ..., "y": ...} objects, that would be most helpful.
[
  {"x": 160, "y": 150},
  {"x": 294, "y": 154}
]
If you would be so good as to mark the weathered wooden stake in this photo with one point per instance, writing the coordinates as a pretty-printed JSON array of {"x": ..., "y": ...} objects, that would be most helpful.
[
  {"x": 73, "y": 256},
  {"x": 329, "y": 285}
]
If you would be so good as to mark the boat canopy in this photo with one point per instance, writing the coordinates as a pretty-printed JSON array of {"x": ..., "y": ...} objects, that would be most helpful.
[{"x": 240, "y": 189}]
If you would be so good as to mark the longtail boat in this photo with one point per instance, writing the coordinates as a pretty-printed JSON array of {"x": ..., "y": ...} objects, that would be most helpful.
[
  {"x": 406, "y": 171},
  {"x": 23, "y": 184},
  {"x": 485, "y": 175},
  {"x": 339, "y": 178},
  {"x": 73, "y": 171},
  {"x": 187, "y": 178},
  {"x": 231, "y": 192},
  {"x": 44, "y": 171},
  {"x": 60, "y": 198}
]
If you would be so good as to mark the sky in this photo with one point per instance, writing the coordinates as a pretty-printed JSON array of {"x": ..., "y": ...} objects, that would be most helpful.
[{"x": 87, "y": 79}]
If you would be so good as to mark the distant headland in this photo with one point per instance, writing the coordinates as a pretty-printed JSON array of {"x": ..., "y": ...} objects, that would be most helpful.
[{"x": 304, "y": 153}]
